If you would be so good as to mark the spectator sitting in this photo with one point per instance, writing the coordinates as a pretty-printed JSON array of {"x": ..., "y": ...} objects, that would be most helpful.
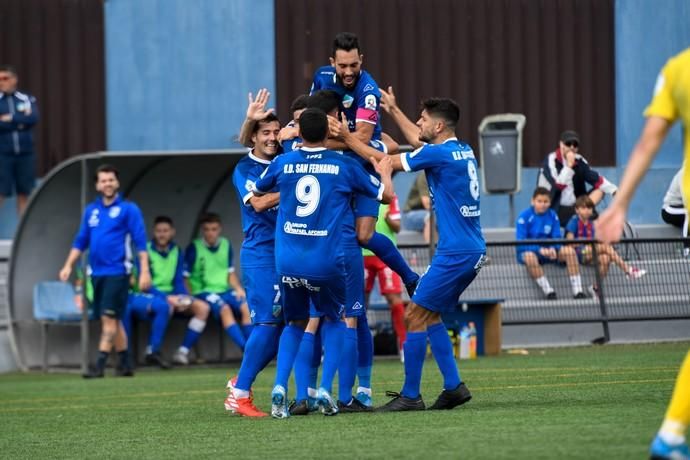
[
  {"x": 565, "y": 174},
  {"x": 581, "y": 226},
  {"x": 539, "y": 222},
  {"x": 18, "y": 115},
  {"x": 673, "y": 211},
  {"x": 416, "y": 215}
]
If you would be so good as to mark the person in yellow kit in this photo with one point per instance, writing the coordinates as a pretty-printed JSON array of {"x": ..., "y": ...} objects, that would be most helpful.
[{"x": 671, "y": 102}]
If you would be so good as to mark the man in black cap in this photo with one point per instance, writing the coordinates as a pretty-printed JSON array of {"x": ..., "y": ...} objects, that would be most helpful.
[{"x": 565, "y": 173}]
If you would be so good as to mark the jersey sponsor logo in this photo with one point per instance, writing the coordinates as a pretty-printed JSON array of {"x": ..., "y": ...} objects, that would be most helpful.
[
  {"x": 547, "y": 228},
  {"x": 368, "y": 87},
  {"x": 249, "y": 185},
  {"x": 93, "y": 218},
  {"x": 311, "y": 168},
  {"x": 347, "y": 101},
  {"x": 374, "y": 180},
  {"x": 294, "y": 283},
  {"x": 114, "y": 212},
  {"x": 370, "y": 102},
  {"x": 357, "y": 306},
  {"x": 470, "y": 211},
  {"x": 277, "y": 309},
  {"x": 296, "y": 228},
  {"x": 521, "y": 220}
]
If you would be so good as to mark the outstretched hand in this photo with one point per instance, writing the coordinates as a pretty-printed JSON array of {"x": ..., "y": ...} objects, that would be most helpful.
[
  {"x": 256, "y": 109},
  {"x": 388, "y": 99}
]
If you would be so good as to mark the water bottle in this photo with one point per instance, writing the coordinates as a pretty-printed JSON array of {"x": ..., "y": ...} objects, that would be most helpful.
[
  {"x": 473, "y": 340},
  {"x": 465, "y": 342}
]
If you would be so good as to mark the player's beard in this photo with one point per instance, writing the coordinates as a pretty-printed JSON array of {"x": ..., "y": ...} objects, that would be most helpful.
[{"x": 355, "y": 79}]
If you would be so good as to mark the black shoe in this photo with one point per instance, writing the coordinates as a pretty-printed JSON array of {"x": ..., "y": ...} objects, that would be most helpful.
[
  {"x": 124, "y": 371},
  {"x": 155, "y": 359},
  {"x": 412, "y": 286},
  {"x": 449, "y": 399},
  {"x": 94, "y": 373},
  {"x": 355, "y": 405},
  {"x": 551, "y": 295},
  {"x": 580, "y": 295},
  {"x": 401, "y": 403},
  {"x": 299, "y": 408}
]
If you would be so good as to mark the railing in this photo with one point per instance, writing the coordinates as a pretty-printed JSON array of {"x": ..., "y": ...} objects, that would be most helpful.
[{"x": 663, "y": 293}]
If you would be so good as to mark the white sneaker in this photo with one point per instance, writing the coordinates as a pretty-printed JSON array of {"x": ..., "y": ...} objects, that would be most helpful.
[
  {"x": 180, "y": 357},
  {"x": 635, "y": 273},
  {"x": 279, "y": 408},
  {"x": 327, "y": 404}
]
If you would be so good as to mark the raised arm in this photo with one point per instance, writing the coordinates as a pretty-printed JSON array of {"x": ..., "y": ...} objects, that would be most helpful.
[
  {"x": 407, "y": 126},
  {"x": 256, "y": 110}
]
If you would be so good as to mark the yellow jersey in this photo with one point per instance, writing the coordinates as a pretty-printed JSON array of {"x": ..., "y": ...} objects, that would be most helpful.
[{"x": 671, "y": 101}]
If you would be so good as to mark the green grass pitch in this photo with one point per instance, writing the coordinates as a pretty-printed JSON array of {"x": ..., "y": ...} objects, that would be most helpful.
[{"x": 589, "y": 402}]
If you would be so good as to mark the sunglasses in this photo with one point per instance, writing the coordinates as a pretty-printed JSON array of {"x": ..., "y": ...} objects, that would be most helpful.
[{"x": 572, "y": 144}]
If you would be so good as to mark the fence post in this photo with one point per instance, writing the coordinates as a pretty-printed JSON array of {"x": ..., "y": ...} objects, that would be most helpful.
[{"x": 602, "y": 298}]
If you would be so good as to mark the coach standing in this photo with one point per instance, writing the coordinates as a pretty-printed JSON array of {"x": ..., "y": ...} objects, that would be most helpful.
[
  {"x": 107, "y": 227},
  {"x": 18, "y": 115}
]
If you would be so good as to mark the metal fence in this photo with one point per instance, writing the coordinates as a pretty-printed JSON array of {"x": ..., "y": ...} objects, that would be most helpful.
[{"x": 663, "y": 293}]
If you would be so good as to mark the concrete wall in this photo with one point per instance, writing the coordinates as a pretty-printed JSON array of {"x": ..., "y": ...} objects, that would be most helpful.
[{"x": 178, "y": 72}]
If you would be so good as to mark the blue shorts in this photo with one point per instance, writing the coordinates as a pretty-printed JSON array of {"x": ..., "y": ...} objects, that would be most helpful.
[
  {"x": 263, "y": 294},
  {"x": 445, "y": 279},
  {"x": 110, "y": 294},
  {"x": 142, "y": 304},
  {"x": 354, "y": 272},
  {"x": 17, "y": 173},
  {"x": 217, "y": 301},
  {"x": 542, "y": 260},
  {"x": 327, "y": 297}
]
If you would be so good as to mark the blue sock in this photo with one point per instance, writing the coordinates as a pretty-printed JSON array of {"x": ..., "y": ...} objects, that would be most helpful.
[
  {"x": 161, "y": 316},
  {"x": 316, "y": 359},
  {"x": 235, "y": 333},
  {"x": 365, "y": 352},
  {"x": 443, "y": 354},
  {"x": 389, "y": 254},
  {"x": 348, "y": 365},
  {"x": 260, "y": 344},
  {"x": 247, "y": 330},
  {"x": 303, "y": 366},
  {"x": 191, "y": 337},
  {"x": 415, "y": 349},
  {"x": 333, "y": 335},
  {"x": 287, "y": 352}
]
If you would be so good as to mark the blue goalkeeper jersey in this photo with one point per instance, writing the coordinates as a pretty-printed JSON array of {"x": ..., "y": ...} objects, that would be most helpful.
[
  {"x": 259, "y": 228},
  {"x": 316, "y": 187},
  {"x": 451, "y": 171}
]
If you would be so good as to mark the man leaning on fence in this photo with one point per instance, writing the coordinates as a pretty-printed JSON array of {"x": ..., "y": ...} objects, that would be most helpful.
[{"x": 106, "y": 228}]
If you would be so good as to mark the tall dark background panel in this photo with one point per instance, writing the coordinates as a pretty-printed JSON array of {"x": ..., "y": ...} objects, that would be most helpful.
[
  {"x": 58, "y": 49},
  {"x": 552, "y": 60}
]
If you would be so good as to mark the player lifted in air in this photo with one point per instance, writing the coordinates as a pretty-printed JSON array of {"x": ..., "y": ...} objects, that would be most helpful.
[{"x": 315, "y": 186}]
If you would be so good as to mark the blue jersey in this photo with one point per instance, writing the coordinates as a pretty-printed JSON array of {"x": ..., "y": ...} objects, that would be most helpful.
[
  {"x": 108, "y": 231},
  {"x": 533, "y": 226},
  {"x": 359, "y": 104},
  {"x": 259, "y": 228},
  {"x": 451, "y": 171},
  {"x": 316, "y": 187}
]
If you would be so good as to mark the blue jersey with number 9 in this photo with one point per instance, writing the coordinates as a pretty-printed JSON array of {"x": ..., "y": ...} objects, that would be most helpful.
[
  {"x": 451, "y": 171},
  {"x": 316, "y": 186}
]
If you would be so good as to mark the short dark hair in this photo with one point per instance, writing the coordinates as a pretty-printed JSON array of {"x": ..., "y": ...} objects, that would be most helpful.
[
  {"x": 444, "y": 108},
  {"x": 584, "y": 201},
  {"x": 270, "y": 118},
  {"x": 313, "y": 125},
  {"x": 106, "y": 168},
  {"x": 163, "y": 220},
  {"x": 346, "y": 41},
  {"x": 325, "y": 99},
  {"x": 541, "y": 191},
  {"x": 209, "y": 218},
  {"x": 8, "y": 68},
  {"x": 299, "y": 103}
]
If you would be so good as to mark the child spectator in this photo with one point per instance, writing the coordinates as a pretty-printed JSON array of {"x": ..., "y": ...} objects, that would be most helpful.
[
  {"x": 540, "y": 222},
  {"x": 581, "y": 226}
]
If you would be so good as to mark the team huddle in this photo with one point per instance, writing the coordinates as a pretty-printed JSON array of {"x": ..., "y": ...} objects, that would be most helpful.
[{"x": 310, "y": 195}]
